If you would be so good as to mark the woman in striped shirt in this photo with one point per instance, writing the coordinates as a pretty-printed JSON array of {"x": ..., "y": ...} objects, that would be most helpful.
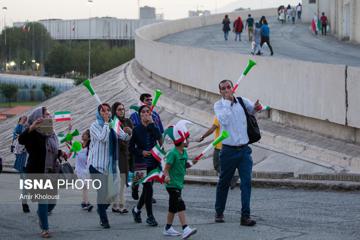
[{"x": 99, "y": 156}]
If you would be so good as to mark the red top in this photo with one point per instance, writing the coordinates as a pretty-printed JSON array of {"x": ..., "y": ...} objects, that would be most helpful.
[{"x": 323, "y": 19}]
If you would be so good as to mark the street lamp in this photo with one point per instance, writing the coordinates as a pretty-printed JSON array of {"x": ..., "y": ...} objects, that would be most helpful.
[
  {"x": 89, "y": 51},
  {"x": 4, "y": 9}
]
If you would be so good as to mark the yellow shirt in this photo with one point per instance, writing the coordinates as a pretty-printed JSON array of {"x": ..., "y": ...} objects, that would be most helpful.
[{"x": 217, "y": 132}]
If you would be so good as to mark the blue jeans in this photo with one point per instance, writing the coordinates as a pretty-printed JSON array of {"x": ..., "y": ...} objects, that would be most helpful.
[
  {"x": 230, "y": 159},
  {"x": 101, "y": 194},
  {"x": 43, "y": 208},
  {"x": 226, "y": 34},
  {"x": 236, "y": 36}
]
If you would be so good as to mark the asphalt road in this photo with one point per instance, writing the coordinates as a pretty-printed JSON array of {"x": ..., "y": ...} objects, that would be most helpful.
[
  {"x": 293, "y": 41},
  {"x": 280, "y": 213}
]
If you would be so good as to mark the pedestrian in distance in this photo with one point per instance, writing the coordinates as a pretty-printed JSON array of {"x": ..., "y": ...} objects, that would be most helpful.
[
  {"x": 250, "y": 26},
  {"x": 238, "y": 28},
  {"x": 324, "y": 23},
  {"x": 265, "y": 36},
  {"x": 226, "y": 27}
]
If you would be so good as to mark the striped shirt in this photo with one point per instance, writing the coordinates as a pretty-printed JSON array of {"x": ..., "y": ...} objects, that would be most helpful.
[
  {"x": 99, "y": 147},
  {"x": 232, "y": 118}
]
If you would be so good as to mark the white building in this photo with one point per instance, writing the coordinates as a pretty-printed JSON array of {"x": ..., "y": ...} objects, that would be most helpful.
[
  {"x": 105, "y": 28},
  {"x": 147, "y": 12},
  {"x": 343, "y": 15}
]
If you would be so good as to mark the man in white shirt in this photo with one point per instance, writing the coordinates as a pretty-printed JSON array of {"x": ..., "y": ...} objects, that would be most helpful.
[{"x": 235, "y": 152}]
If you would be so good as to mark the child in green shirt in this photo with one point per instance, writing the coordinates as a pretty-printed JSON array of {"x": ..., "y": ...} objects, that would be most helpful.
[{"x": 174, "y": 172}]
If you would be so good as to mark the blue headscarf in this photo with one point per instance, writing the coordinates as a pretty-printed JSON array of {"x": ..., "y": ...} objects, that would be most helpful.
[{"x": 100, "y": 119}]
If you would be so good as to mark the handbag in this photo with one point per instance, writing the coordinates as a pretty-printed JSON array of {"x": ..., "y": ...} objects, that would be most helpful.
[
  {"x": 253, "y": 129},
  {"x": 66, "y": 170}
]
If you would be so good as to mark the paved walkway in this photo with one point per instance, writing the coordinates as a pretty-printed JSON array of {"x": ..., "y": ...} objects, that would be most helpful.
[
  {"x": 294, "y": 41},
  {"x": 280, "y": 214}
]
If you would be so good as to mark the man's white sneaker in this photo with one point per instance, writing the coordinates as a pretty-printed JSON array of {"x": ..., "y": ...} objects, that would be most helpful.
[
  {"x": 187, "y": 232},
  {"x": 171, "y": 232}
]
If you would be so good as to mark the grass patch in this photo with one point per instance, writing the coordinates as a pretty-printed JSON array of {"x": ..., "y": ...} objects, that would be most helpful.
[{"x": 14, "y": 104}]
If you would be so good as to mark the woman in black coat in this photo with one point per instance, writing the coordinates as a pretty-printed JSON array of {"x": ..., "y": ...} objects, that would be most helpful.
[{"x": 42, "y": 145}]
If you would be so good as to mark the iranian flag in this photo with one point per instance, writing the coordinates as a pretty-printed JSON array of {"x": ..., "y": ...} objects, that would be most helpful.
[
  {"x": 158, "y": 153},
  {"x": 117, "y": 126},
  {"x": 62, "y": 116},
  {"x": 154, "y": 175}
]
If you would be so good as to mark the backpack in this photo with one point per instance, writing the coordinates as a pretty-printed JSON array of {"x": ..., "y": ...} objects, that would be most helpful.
[{"x": 253, "y": 130}]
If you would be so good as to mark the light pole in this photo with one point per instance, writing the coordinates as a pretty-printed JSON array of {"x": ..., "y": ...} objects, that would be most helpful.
[
  {"x": 89, "y": 50},
  {"x": 6, "y": 54}
]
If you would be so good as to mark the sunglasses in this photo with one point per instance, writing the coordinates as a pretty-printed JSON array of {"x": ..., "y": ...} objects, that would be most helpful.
[{"x": 226, "y": 87}]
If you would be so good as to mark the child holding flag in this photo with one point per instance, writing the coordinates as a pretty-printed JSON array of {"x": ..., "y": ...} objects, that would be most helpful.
[{"x": 175, "y": 170}]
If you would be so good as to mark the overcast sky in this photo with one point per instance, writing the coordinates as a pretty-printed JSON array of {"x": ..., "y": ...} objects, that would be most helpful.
[{"x": 32, "y": 10}]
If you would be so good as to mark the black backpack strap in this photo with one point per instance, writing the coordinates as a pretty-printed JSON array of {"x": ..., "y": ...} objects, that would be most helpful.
[{"x": 243, "y": 105}]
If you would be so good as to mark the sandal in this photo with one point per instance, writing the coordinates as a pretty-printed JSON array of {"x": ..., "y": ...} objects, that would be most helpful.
[{"x": 45, "y": 234}]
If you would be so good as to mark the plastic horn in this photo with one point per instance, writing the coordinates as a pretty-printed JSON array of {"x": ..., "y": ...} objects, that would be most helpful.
[
  {"x": 87, "y": 84},
  {"x": 250, "y": 65},
  {"x": 224, "y": 135},
  {"x": 76, "y": 147},
  {"x": 155, "y": 100},
  {"x": 68, "y": 137},
  {"x": 262, "y": 108}
]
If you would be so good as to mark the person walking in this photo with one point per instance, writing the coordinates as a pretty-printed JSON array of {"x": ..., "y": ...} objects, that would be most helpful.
[
  {"x": 82, "y": 169},
  {"x": 299, "y": 10},
  {"x": 20, "y": 156},
  {"x": 235, "y": 152},
  {"x": 145, "y": 99},
  {"x": 174, "y": 172},
  {"x": 238, "y": 28},
  {"x": 324, "y": 22},
  {"x": 265, "y": 36},
  {"x": 145, "y": 136},
  {"x": 99, "y": 158},
  {"x": 226, "y": 27},
  {"x": 42, "y": 145},
  {"x": 256, "y": 49},
  {"x": 250, "y": 26},
  {"x": 118, "y": 110}
]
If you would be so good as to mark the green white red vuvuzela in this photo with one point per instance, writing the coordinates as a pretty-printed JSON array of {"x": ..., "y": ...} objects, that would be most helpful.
[
  {"x": 223, "y": 135},
  {"x": 62, "y": 116},
  {"x": 158, "y": 153},
  {"x": 74, "y": 149},
  {"x": 87, "y": 84},
  {"x": 154, "y": 175},
  {"x": 249, "y": 66},
  {"x": 156, "y": 98},
  {"x": 262, "y": 108}
]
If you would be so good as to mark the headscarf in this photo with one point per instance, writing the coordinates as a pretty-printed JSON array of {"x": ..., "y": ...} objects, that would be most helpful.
[{"x": 51, "y": 141}]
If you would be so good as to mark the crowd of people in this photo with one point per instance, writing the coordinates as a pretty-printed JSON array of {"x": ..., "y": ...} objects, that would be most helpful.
[
  {"x": 106, "y": 152},
  {"x": 258, "y": 32}
]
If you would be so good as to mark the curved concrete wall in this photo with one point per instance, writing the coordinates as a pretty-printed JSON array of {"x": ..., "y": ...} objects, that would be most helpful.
[{"x": 319, "y": 91}]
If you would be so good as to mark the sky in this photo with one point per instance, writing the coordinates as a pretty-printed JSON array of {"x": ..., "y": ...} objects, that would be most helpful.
[{"x": 33, "y": 10}]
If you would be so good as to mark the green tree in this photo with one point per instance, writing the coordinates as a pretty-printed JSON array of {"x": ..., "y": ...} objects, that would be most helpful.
[
  {"x": 47, "y": 90},
  {"x": 59, "y": 61},
  {"x": 9, "y": 91}
]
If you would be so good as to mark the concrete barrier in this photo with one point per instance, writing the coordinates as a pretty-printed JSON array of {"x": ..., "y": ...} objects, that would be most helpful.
[{"x": 319, "y": 97}]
